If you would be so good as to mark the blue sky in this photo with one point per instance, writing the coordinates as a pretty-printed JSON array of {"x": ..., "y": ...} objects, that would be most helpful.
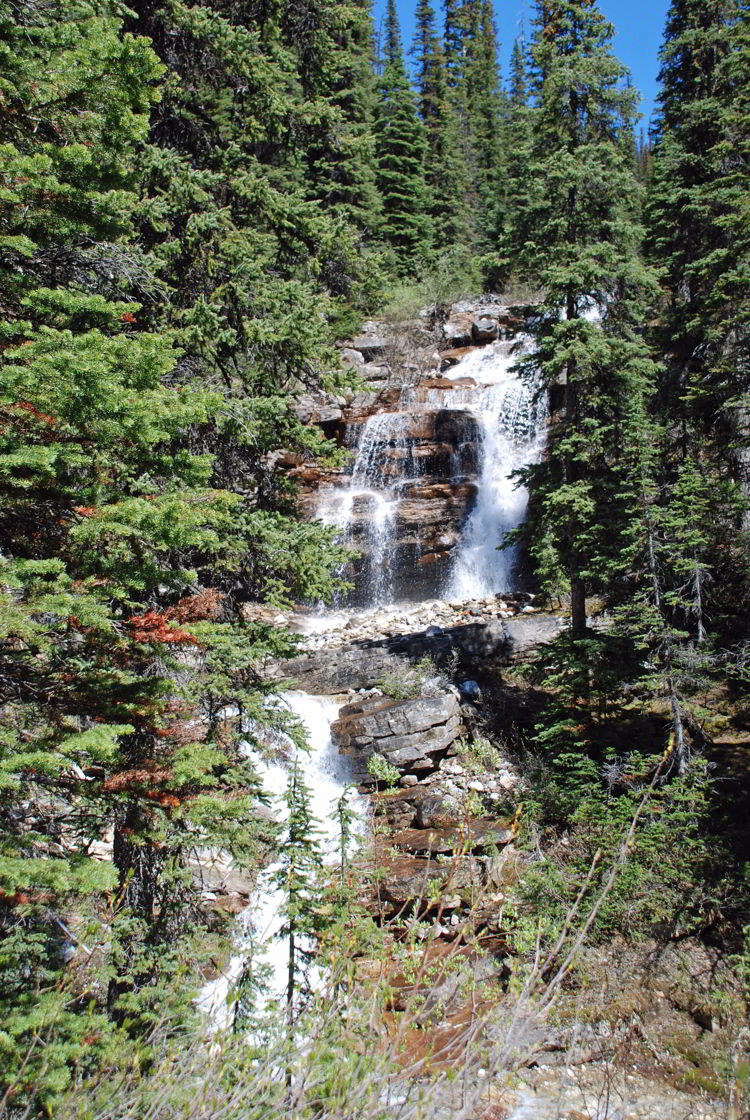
[{"x": 639, "y": 31}]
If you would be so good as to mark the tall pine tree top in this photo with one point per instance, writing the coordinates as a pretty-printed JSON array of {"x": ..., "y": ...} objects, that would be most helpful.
[{"x": 400, "y": 149}]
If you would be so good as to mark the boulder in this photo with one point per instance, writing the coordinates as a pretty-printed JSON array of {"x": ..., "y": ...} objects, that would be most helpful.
[
  {"x": 378, "y": 717},
  {"x": 406, "y": 733},
  {"x": 317, "y": 408},
  {"x": 457, "y": 331},
  {"x": 484, "y": 330},
  {"x": 476, "y": 836},
  {"x": 351, "y": 357}
]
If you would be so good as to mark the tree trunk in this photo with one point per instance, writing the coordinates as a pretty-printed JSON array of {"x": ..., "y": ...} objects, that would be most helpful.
[{"x": 577, "y": 607}]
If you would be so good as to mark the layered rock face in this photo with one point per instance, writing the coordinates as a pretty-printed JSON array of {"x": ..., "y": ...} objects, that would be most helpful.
[
  {"x": 417, "y": 441},
  {"x": 410, "y": 734}
]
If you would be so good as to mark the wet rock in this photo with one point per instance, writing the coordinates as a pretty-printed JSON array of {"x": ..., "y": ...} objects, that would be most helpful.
[
  {"x": 484, "y": 330},
  {"x": 457, "y": 331},
  {"x": 453, "y": 356}
]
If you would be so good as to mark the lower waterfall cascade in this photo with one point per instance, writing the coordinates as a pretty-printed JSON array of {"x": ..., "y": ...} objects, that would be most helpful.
[{"x": 327, "y": 773}]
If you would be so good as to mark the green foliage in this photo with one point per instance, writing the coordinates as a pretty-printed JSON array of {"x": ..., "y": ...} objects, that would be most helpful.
[
  {"x": 407, "y": 684},
  {"x": 383, "y": 770},
  {"x": 673, "y": 873},
  {"x": 400, "y": 151}
]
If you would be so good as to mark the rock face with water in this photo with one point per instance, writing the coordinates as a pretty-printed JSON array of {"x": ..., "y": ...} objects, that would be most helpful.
[{"x": 429, "y": 494}]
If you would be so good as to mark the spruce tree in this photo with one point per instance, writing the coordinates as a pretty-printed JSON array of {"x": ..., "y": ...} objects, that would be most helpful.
[
  {"x": 577, "y": 237},
  {"x": 697, "y": 232},
  {"x": 298, "y": 878},
  {"x": 446, "y": 168},
  {"x": 485, "y": 99},
  {"x": 400, "y": 148},
  {"x": 141, "y": 506},
  {"x": 335, "y": 45}
]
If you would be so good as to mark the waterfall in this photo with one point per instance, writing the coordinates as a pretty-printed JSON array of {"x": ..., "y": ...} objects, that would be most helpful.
[
  {"x": 327, "y": 773},
  {"x": 384, "y": 462},
  {"x": 510, "y": 416}
]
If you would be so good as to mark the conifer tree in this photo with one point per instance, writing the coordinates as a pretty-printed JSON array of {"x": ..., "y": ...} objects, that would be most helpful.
[
  {"x": 577, "y": 236},
  {"x": 485, "y": 98},
  {"x": 513, "y": 161},
  {"x": 400, "y": 148},
  {"x": 140, "y": 509},
  {"x": 697, "y": 202},
  {"x": 335, "y": 45},
  {"x": 298, "y": 877},
  {"x": 446, "y": 169}
]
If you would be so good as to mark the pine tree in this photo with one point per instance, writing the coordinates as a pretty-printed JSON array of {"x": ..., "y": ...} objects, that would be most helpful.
[
  {"x": 400, "y": 148},
  {"x": 298, "y": 878},
  {"x": 697, "y": 233},
  {"x": 577, "y": 237}
]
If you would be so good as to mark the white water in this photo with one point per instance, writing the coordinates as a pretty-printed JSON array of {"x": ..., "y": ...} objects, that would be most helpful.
[
  {"x": 512, "y": 417},
  {"x": 326, "y": 773},
  {"x": 372, "y": 490},
  {"x": 512, "y": 424}
]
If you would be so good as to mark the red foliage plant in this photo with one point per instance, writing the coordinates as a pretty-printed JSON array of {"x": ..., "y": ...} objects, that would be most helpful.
[
  {"x": 28, "y": 411},
  {"x": 155, "y": 627}
]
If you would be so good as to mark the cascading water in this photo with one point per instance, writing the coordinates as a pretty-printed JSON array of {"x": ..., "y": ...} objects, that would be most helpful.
[
  {"x": 327, "y": 773},
  {"x": 374, "y": 494},
  {"x": 509, "y": 415},
  {"x": 513, "y": 415}
]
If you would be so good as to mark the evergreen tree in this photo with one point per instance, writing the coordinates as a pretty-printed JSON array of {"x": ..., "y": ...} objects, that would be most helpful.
[
  {"x": 141, "y": 506},
  {"x": 446, "y": 170},
  {"x": 298, "y": 877},
  {"x": 577, "y": 237},
  {"x": 457, "y": 15},
  {"x": 518, "y": 93},
  {"x": 485, "y": 98},
  {"x": 400, "y": 148},
  {"x": 697, "y": 233},
  {"x": 335, "y": 45},
  {"x": 697, "y": 236}
]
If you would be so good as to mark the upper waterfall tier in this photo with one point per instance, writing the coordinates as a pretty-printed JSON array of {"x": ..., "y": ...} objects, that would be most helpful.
[{"x": 431, "y": 491}]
